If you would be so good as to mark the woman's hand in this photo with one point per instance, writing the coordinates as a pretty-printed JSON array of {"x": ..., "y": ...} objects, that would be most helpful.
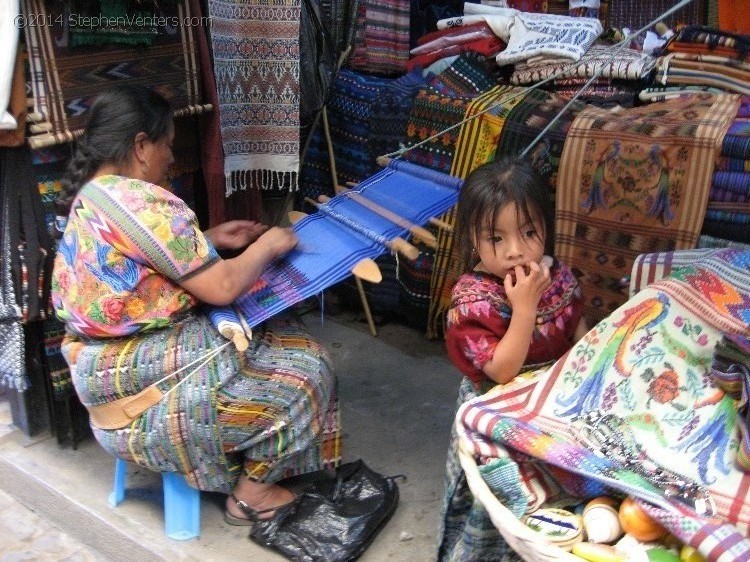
[
  {"x": 531, "y": 280},
  {"x": 236, "y": 234},
  {"x": 226, "y": 279},
  {"x": 277, "y": 241}
]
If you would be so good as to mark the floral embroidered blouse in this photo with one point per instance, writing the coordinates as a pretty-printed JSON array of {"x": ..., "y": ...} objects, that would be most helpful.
[
  {"x": 126, "y": 247},
  {"x": 480, "y": 313}
]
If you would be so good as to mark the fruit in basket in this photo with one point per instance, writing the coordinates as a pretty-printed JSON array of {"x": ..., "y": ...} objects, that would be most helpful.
[
  {"x": 636, "y": 522},
  {"x": 601, "y": 521},
  {"x": 597, "y": 552},
  {"x": 558, "y": 527}
]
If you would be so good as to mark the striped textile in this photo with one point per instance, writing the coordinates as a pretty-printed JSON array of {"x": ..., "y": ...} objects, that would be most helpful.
[
  {"x": 466, "y": 75},
  {"x": 476, "y": 145},
  {"x": 381, "y": 39},
  {"x": 65, "y": 80},
  {"x": 619, "y": 198},
  {"x": 389, "y": 114},
  {"x": 270, "y": 412},
  {"x": 629, "y": 64},
  {"x": 635, "y": 14},
  {"x": 690, "y": 427},
  {"x": 736, "y": 143},
  {"x": 524, "y": 123},
  {"x": 730, "y": 371},
  {"x": 256, "y": 66}
]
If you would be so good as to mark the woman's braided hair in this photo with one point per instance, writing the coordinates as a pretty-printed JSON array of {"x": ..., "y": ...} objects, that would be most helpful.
[{"x": 114, "y": 120}]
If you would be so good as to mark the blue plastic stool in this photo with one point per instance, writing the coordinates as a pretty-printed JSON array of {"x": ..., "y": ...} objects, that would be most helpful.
[{"x": 182, "y": 503}]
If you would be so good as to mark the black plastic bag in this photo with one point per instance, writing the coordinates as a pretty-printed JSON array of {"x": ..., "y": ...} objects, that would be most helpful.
[{"x": 334, "y": 520}]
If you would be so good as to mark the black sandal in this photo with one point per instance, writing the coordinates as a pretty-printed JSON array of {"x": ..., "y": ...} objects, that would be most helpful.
[{"x": 251, "y": 514}]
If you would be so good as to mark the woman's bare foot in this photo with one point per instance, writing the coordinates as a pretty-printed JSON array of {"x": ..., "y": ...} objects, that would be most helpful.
[{"x": 258, "y": 496}]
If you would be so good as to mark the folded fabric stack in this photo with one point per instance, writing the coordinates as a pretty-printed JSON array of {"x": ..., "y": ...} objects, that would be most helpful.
[
  {"x": 728, "y": 211},
  {"x": 627, "y": 64},
  {"x": 348, "y": 112},
  {"x": 475, "y": 38},
  {"x": 530, "y": 34},
  {"x": 706, "y": 56}
]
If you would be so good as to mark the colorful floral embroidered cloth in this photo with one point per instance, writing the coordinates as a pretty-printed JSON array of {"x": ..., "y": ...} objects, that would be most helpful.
[
  {"x": 480, "y": 315},
  {"x": 648, "y": 364},
  {"x": 644, "y": 189},
  {"x": 127, "y": 243}
]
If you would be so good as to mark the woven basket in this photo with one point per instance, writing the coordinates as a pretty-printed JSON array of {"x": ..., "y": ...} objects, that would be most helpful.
[{"x": 525, "y": 542}]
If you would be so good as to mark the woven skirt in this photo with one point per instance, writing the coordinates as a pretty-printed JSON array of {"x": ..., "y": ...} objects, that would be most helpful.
[{"x": 270, "y": 412}]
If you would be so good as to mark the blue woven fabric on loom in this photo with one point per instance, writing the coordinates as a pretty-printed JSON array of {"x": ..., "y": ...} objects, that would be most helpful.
[{"x": 328, "y": 249}]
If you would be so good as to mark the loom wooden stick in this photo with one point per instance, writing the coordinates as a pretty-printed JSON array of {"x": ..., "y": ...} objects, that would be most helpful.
[
  {"x": 383, "y": 161},
  {"x": 417, "y": 231},
  {"x": 365, "y": 268},
  {"x": 236, "y": 335},
  {"x": 366, "y": 306},
  {"x": 441, "y": 224},
  {"x": 396, "y": 244}
]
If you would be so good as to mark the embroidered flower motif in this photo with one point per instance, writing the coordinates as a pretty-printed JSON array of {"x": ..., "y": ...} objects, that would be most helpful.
[
  {"x": 665, "y": 387},
  {"x": 133, "y": 200},
  {"x": 135, "y": 308},
  {"x": 112, "y": 309},
  {"x": 478, "y": 351}
]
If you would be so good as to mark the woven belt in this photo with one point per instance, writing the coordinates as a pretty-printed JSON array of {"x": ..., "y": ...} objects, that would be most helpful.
[{"x": 121, "y": 413}]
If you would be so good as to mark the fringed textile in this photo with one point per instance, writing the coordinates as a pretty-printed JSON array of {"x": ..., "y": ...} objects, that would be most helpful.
[
  {"x": 648, "y": 365},
  {"x": 65, "y": 80},
  {"x": 476, "y": 145},
  {"x": 623, "y": 197},
  {"x": 270, "y": 412},
  {"x": 256, "y": 64}
]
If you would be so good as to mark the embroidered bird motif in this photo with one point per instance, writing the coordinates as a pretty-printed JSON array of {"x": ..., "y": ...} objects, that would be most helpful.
[
  {"x": 660, "y": 209},
  {"x": 634, "y": 321},
  {"x": 596, "y": 195},
  {"x": 120, "y": 275}
]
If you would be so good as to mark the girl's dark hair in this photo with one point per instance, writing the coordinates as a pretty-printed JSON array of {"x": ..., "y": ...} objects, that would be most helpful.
[
  {"x": 487, "y": 190},
  {"x": 115, "y": 118}
]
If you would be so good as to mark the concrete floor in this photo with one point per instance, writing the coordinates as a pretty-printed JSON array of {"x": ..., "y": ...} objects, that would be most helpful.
[{"x": 397, "y": 395}]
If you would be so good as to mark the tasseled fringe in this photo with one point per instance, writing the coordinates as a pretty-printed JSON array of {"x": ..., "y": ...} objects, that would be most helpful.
[
  {"x": 240, "y": 180},
  {"x": 15, "y": 382}
]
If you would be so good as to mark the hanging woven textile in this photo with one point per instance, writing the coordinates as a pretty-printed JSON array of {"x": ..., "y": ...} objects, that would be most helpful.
[
  {"x": 256, "y": 64},
  {"x": 12, "y": 369},
  {"x": 69, "y": 65},
  {"x": 644, "y": 191}
]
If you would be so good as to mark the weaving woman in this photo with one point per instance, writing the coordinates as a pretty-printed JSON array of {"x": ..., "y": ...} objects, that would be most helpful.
[{"x": 163, "y": 388}]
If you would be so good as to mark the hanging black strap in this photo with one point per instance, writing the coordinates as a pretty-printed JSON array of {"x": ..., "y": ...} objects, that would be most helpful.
[{"x": 30, "y": 243}]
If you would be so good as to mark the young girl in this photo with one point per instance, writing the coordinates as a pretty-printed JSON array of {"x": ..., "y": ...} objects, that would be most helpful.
[{"x": 515, "y": 305}]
